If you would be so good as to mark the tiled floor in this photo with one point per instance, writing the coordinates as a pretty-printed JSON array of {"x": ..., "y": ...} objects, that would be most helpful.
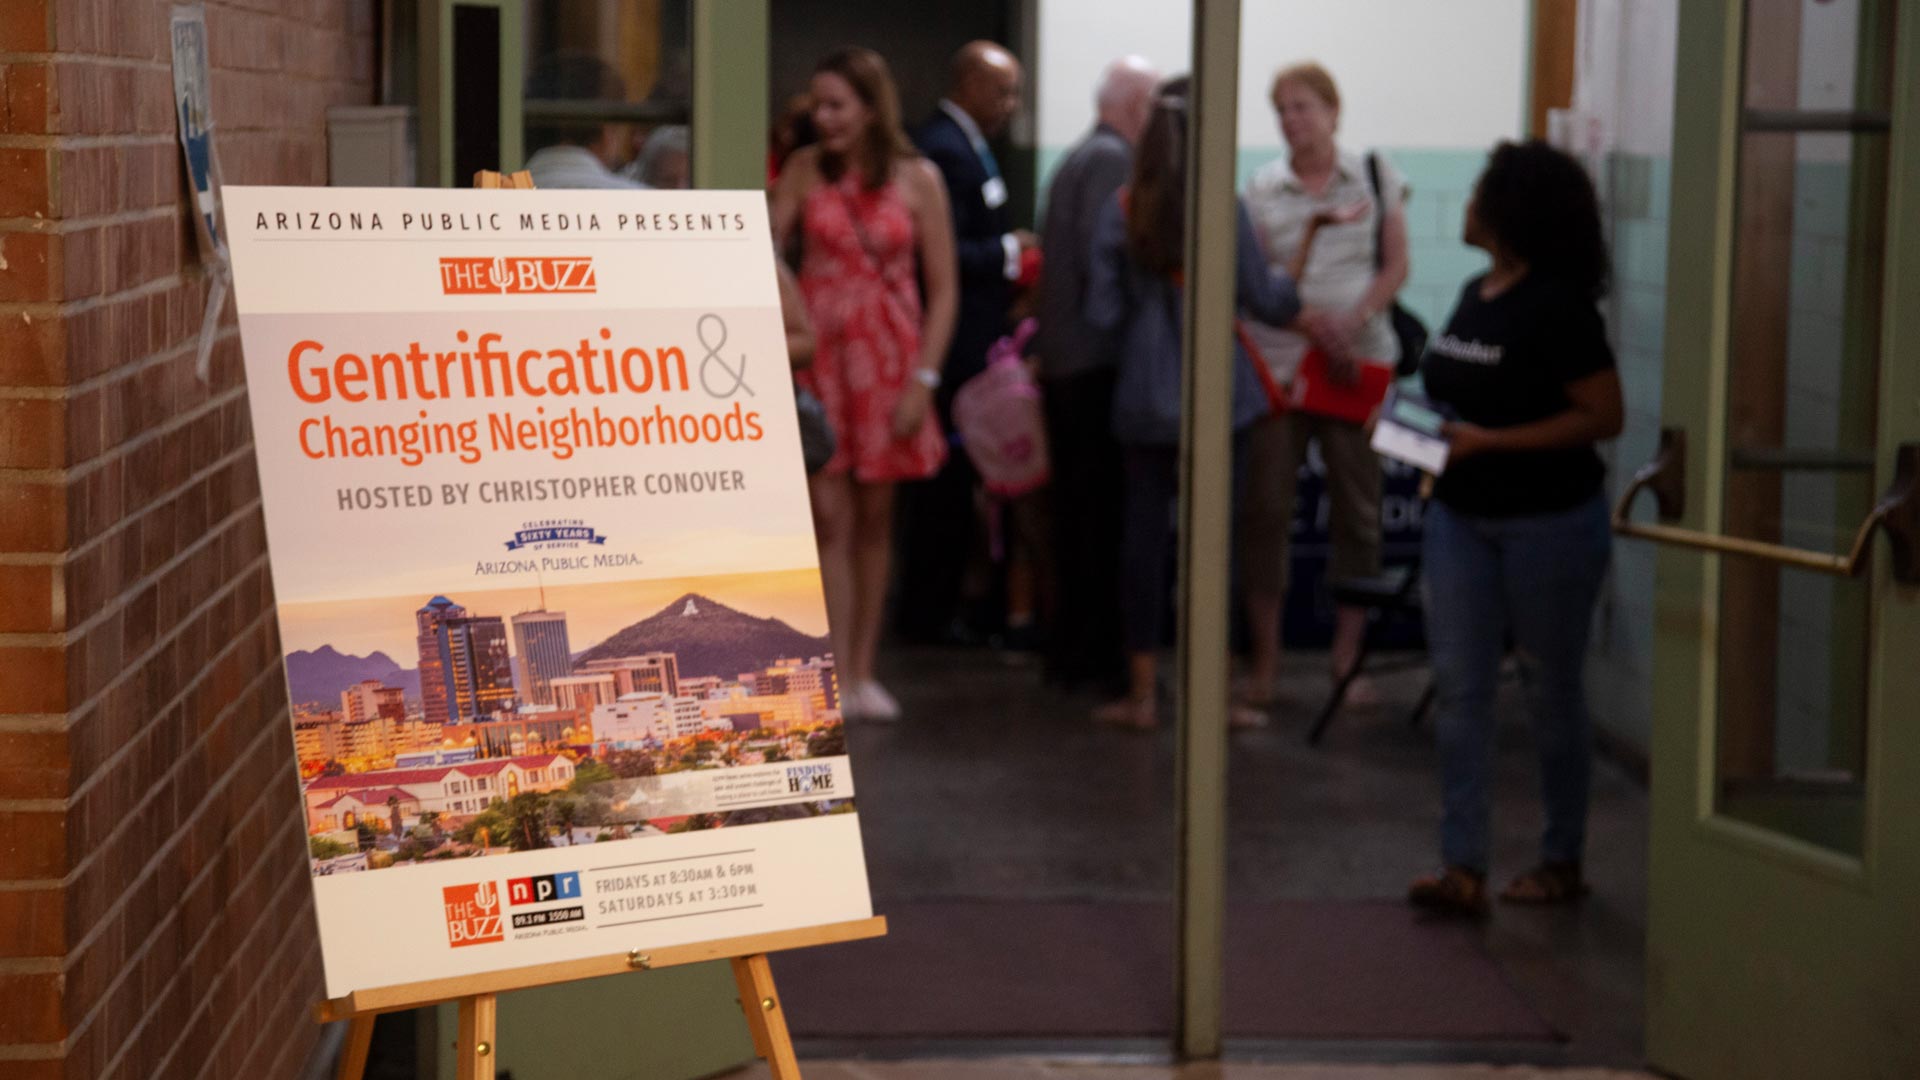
[
  {"x": 1015, "y": 1069},
  {"x": 995, "y": 787}
]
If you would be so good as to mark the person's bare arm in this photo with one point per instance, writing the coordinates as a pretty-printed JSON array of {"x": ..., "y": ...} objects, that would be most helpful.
[
  {"x": 1297, "y": 266},
  {"x": 793, "y": 312},
  {"x": 1595, "y": 412},
  {"x": 790, "y": 192},
  {"x": 1394, "y": 264},
  {"x": 940, "y": 275}
]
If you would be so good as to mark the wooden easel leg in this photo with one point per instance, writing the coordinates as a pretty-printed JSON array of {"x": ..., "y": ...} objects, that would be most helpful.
[
  {"x": 353, "y": 1056},
  {"x": 474, "y": 1051},
  {"x": 765, "y": 1018}
]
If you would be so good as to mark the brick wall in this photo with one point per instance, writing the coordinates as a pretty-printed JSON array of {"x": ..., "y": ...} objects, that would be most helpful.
[{"x": 155, "y": 915}]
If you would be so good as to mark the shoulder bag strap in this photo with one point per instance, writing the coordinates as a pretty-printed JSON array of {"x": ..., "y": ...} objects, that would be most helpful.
[{"x": 1379, "y": 209}]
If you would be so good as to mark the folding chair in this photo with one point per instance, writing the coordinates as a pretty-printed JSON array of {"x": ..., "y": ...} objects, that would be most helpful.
[{"x": 1393, "y": 592}]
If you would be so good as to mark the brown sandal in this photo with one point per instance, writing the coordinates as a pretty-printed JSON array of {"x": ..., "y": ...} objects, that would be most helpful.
[
  {"x": 1454, "y": 891},
  {"x": 1551, "y": 884}
]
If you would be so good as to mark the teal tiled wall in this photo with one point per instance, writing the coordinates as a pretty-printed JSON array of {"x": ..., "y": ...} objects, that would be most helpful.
[
  {"x": 1636, "y": 189},
  {"x": 1621, "y": 662},
  {"x": 1441, "y": 181}
]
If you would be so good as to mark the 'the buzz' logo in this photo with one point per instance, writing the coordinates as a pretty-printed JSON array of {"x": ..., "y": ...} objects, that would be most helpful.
[
  {"x": 473, "y": 914},
  {"x": 483, "y": 275}
]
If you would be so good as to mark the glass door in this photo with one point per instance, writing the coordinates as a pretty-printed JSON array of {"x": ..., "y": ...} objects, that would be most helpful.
[{"x": 1785, "y": 867}]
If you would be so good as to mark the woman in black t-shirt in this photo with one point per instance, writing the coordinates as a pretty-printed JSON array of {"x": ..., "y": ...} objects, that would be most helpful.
[{"x": 1516, "y": 538}]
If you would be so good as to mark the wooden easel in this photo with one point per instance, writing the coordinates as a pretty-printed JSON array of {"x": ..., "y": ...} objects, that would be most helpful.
[
  {"x": 522, "y": 180},
  {"x": 478, "y": 994}
]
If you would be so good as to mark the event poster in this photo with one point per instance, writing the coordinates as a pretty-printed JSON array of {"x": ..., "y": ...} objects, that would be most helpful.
[{"x": 548, "y": 591}]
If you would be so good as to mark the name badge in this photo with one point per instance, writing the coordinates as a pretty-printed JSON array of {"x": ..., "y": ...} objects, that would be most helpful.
[{"x": 994, "y": 191}]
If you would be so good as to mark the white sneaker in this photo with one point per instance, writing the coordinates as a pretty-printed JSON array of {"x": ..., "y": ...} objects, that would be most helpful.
[
  {"x": 876, "y": 703},
  {"x": 853, "y": 703}
]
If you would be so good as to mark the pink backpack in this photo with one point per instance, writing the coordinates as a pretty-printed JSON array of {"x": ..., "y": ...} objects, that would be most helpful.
[{"x": 998, "y": 416}]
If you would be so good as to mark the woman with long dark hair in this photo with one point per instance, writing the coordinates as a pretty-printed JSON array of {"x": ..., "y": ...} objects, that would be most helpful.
[
  {"x": 872, "y": 220},
  {"x": 1517, "y": 538},
  {"x": 1133, "y": 290}
]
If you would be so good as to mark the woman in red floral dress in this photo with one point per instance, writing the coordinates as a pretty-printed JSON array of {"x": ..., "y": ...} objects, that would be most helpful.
[{"x": 873, "y": 224}]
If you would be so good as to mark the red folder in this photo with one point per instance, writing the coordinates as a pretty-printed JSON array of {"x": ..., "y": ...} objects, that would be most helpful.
[{"x": 1313, "y": 388}]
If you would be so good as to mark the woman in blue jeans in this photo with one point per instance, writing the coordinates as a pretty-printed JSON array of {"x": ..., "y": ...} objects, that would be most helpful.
[{"x": 1517, "y": 533}]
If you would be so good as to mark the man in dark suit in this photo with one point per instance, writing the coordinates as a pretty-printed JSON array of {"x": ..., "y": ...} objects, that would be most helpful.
[
  {"x": 939, "y": 528},
  {"x": 1077, "y": 369}
]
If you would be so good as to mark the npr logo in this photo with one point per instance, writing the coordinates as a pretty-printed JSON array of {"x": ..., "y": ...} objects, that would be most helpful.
[
  {"x": 491, "y": 276},
  {"x": 473, "y": 914},
  {"x": 539, "y": 890}
]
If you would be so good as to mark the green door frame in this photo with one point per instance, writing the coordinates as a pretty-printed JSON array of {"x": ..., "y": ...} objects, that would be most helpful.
[
  {"x": 730, "y": 93},
  {"x": 729, "y": 124},
  {"x": 1206, "y": 498},
  {"x": 436, "y": 62},
  {"x": 1769, "y": 956}
]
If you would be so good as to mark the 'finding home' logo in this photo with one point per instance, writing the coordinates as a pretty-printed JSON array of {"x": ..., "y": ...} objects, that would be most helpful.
[
  {"x": 473, "y": 914},
  {"x": 810, "y": 779},
  {"x": 489, "y": 276}
]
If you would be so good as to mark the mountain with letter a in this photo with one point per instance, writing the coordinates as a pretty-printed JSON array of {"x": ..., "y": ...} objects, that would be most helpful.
[{"x": 710, "y": 638}]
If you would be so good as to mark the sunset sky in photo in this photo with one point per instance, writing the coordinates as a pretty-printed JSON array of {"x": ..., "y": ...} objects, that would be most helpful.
[{"x": 594, "y": 612}]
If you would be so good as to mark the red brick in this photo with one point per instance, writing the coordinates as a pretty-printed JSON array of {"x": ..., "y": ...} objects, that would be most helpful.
[
  {"x": 28, "y": 605},
  {"x": 194, "y": 703},
  {"x": 27, "y": 270},
  {"x": 35, "y": 846},
  {"x": 33, "y": 433},
  {"x": 96, "y": 98},
  {"x": 32, "y": 516},
  {"x": 35, "y": 922},
  {"x": 33, "y": 765},
  {"x": 81, "y": 259},
  {"x": 24, "y": 103},
  {"x": 33, "y": 350},
  {"x": 90, "y": 181},
  {"x": 27, "y": 26},
  {"x": 33, "y": 679},
  {"x": 24, "y": 183}
]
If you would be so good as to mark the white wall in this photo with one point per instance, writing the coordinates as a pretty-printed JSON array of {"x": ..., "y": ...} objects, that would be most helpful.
[
  {"x": 1414, "y": 73},
  {"x": 1624, "y": 71},
  {"x": 1077, "y": 38}
]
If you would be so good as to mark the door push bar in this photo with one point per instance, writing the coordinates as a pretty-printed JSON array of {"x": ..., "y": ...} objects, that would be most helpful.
[{"x": 1897, "y": 513}]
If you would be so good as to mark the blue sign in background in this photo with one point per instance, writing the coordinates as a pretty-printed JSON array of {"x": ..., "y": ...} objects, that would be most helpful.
[{"x": 1307, "y": 622}]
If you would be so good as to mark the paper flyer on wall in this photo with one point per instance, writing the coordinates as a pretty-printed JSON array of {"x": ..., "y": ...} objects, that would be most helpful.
[{"x": 548, "y": 591}]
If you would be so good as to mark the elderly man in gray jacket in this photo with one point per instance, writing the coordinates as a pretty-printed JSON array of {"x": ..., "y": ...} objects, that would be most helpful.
[{"x": 1077, "y": 372}]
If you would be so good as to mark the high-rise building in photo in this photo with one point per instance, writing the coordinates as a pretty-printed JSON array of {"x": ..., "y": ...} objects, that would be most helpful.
[
  {"x": 540, "y": 643},
  {"x": 369, "y": 699},
  {"x": 648, "y": 673},
  {"x": 434, "y": 695},
  {"x": 583, "y": 692},
  {"x": 479, "y": 668}
]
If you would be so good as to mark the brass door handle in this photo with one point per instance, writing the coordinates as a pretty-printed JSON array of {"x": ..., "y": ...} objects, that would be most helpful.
[{"x": 1897, "y": 514}]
